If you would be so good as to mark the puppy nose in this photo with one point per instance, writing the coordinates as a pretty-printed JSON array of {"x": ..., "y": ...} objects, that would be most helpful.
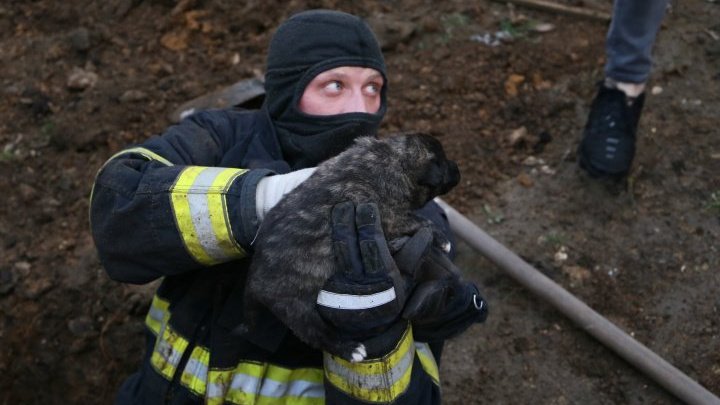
[{"x": 453, "y": 174}]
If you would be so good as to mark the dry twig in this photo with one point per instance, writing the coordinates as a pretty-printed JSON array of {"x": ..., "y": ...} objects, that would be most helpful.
[{"x": 561, "y": 8}]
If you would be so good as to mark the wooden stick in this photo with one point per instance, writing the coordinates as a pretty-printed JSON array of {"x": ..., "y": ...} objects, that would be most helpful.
[{"x": 560, "y": 8}]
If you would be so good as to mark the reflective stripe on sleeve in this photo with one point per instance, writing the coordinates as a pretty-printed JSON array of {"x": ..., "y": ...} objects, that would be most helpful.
[
  {"x": 355, "y": 302},
  {"x": 168, "y": 351},
  {"x": 199, "y": 202},
  {"x": 427, "y": 360},
  {"x": 195, "y": 374},
  {"x": 146, "y": 153},
  {"x": 157, "y": 315},
  {"x": 375, "y": 380}
]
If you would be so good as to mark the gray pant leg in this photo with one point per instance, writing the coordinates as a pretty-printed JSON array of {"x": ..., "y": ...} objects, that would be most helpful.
[{"x": 634, "y": 26}]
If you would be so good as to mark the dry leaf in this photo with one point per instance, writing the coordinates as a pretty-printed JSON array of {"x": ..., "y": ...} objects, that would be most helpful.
[
  {"x": 175, "y": 40},
  {"x": 512, "y": 83}
]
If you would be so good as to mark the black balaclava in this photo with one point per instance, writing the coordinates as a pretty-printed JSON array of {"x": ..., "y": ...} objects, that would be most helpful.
[{"x": 305, "y": 45}]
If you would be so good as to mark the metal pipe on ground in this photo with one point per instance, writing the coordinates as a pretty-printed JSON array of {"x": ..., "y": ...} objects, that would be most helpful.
[{"x": 634, "y": 352}]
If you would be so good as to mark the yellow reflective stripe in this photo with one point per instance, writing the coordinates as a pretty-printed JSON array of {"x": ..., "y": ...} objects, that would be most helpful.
[
  {"x": 195, "y": 374},
  {"x": 168, "y": 351},
  {"x": 427, "y": 360},
  {"x": 183, "y": 215},
  {"x": 244, "y": 384},
  {"x": 239, "y": 385},
  {"x": 199, "y": 202},
  {"x": 265, "y": 384},
  {"x": 157, "y": 314},
  {"x": 294, "y": 386},
  {"x": 248, "y": 382},
  {"x": 146, "y": 153},
  {"x": 219, "y": 215},
  {"x": 381, "y": 380}
]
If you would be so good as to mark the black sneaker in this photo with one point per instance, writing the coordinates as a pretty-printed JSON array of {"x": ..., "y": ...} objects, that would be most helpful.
[{"x": 607, "y": 148}]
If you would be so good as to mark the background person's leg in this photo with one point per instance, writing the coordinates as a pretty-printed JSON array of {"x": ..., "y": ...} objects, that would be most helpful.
[
  {"x": 607, "y": 148},
  {"x": 630, "y": 39}
]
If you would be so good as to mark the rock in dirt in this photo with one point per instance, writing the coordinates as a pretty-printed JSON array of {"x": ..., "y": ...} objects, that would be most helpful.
[
  {"x": 517, "y": 135},
  {"x": 80, "y": 39},
  {"x": 577, "y": 274},
  {"x": 23, "y": 268},
  {"x": 27, "y": 192},
  {"x": 81, "y": 79},
  {"x": 82, "y": 326},
  {"x": 37, "y": 100},
  {"x": 132, "y": 96},
  {"x": 389, "y": 31},
  {"x": 525, "y": 180},
  {"x": 35, "y": 287}
]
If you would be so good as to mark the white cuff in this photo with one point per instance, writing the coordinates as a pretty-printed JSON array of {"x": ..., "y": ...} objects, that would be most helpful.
[{"x": 271, "y": 189}]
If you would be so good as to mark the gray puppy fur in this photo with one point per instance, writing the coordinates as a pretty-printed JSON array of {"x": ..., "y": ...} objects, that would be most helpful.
[{"x": 294, "y": 250}]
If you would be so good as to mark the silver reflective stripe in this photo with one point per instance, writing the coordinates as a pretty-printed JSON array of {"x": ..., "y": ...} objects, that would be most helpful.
[
  {"x": 372, "y": 381},
  {"x": 157, "y": 314},
  {"x": 427, "y": 361},
  {"x": 267, "y": 388},
  {"x": 245, "y": 383},
  {"x": 215, "y": 390},
  {"x": 168, "y": 353},
  {"x": 424, "y": 348},
  {"x": 348, "y": 301},
  {"x": 197, "y": 369},
  {"x": 296, "y": 388},
  {"x": 201, "y": 215}
]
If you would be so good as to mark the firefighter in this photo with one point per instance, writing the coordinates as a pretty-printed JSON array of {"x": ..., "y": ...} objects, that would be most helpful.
[{"x": 185, "y": 205}]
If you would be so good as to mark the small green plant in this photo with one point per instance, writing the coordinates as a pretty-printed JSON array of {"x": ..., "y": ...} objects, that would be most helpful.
[
  {"x": 714, "y": 203},
  {"x": 6, "y": 156},
  {"x": 451, "y": 23},
  {"x": 47, "y": 129},
  {"x": 518, "y": 29},
  {"x": 555, "y": 239},
  {"x": 493, "y": 217}
]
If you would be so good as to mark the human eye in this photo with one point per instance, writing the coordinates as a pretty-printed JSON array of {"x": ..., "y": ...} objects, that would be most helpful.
[
  {"x": 373, "y": 88},
  {"x": 333, "y": 86}
]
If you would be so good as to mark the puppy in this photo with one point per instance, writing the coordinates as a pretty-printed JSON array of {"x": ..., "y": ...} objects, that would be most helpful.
[{"x": 293, "y": 249}]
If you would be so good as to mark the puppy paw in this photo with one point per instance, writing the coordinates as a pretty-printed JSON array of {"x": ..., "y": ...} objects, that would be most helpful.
[
  {"x": 441, "y": 241},
  {"x": 353, "y": 352},
  {"x": 359, "y": 354}
]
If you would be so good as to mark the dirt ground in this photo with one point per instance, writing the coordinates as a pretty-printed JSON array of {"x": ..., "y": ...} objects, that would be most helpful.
[{"x": 81, "y": 79}]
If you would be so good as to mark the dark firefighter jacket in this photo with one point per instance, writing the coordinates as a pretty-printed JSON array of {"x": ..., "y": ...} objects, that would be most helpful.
[{"x": 181, "y": 207}]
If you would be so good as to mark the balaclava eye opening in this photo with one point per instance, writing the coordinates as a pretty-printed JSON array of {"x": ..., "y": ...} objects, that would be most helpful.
[{"x": 304, "y": 46}]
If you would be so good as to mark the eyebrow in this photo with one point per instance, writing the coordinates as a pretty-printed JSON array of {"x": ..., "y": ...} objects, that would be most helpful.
[
  {"x": 340, "y": 75},
  {"x": 376, "y": 76}
]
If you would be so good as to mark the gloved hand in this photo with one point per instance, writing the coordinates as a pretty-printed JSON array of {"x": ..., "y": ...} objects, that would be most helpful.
[
  {"x": 364, "y": 299},
  {"x": 271, "y": 189},
  {"x": 445, "y": 305}
]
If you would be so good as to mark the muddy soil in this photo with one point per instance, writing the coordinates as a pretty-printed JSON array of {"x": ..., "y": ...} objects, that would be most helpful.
[{"x": 82, "y": 79}]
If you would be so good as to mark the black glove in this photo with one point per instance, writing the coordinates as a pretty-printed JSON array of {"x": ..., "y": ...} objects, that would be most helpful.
[
  {"x": 445, "y": 305},
  {"x": 365, "y": 297}
]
